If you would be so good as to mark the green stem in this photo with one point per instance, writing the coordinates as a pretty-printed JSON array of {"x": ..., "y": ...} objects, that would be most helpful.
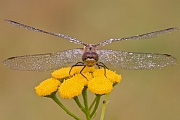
[
  {"x": 87, "y": 112},
  {"x": 76, "y": 99},
  {"x": 96, "y": 105},
  {"x": 92, "y": 104},
  {"x": 63, "y": 107},
  {"x": 104, "y": 106}
]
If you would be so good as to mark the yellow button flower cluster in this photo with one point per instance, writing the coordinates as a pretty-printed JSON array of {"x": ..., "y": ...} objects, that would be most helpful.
[{"x": 98, "y": 81}]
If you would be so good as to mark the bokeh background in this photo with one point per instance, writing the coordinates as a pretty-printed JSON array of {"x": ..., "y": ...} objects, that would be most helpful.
[{"x": 142, "y": 95}]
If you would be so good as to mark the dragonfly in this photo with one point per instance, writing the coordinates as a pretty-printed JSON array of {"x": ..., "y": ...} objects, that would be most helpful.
[{"x": 91, "y": 55}]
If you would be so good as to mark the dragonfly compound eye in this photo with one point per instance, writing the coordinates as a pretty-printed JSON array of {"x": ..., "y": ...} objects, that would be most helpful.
[{"x": 90, "y": 55}]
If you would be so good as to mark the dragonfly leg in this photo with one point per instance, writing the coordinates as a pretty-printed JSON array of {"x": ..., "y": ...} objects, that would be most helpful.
[
  {"x": 82, "y": 73},
  {"x": 100, "y": 64},
  {"x": 77, "y": 64}
]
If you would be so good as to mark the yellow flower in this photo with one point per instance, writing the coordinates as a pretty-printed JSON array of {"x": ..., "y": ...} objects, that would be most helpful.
[
  {"x": 98, "y": 81},
  {"x": 111, "y": 75},
  {"x": 100, "y": 85},
  {"x": 72, "y": 87},
  {"x": 61, "y": 73},
  {"x": 47, "y": 87},
  {"x": 81, "y": 78},
  {"x": 88, "y": 69},
  {"x": 77, "y": 69},
  {"x": 64, "y": 72},
  {"x": 99, "y": 73}
]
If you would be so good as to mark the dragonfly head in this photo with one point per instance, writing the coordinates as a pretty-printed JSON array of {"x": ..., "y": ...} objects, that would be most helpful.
[{"x": 90, "y": 58}]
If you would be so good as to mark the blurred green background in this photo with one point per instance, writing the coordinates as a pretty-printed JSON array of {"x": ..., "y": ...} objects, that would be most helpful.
[{"x": 142, "y": 95}]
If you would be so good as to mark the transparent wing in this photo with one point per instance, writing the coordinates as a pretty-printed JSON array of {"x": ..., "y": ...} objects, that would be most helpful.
[
  {"x": 133, "y": 60},
  {"x": 142, "y": 36},
  {"x": 71, "y": 39},
  {"x": 44, "y": 62}
]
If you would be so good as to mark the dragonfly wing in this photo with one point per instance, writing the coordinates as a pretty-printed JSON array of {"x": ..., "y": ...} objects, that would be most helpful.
[
  {"x": 71, "y": 39},
  {"x": 142, "y": 36},
  {"x": 134, "y": 60},
  {"x": 44, "y": 62}
]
